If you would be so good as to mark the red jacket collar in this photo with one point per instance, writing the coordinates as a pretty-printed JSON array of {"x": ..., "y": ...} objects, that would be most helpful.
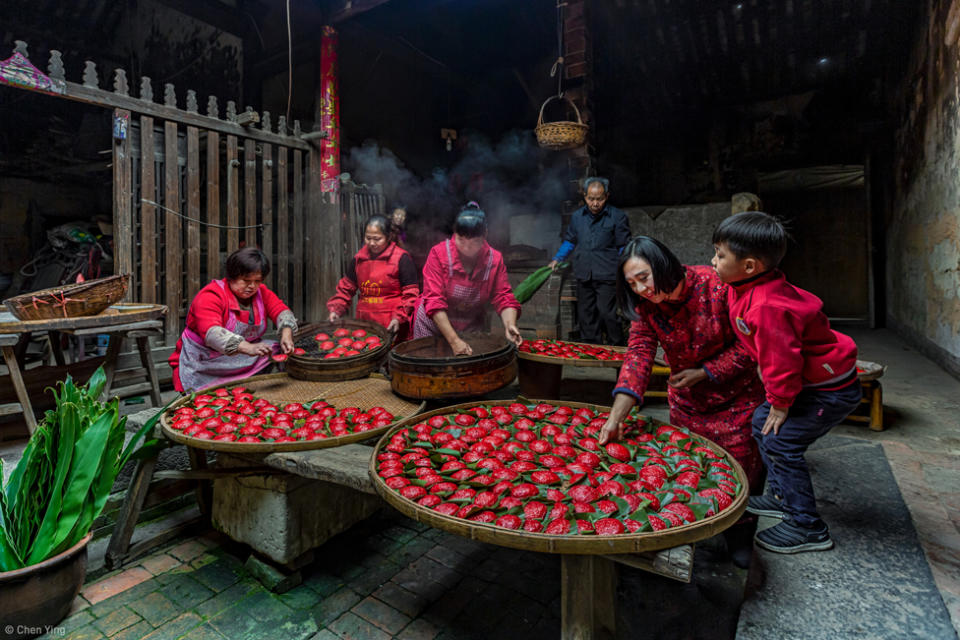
[
  {"x": 364, "y": 253},
  {"x": 749, "y": 283}
]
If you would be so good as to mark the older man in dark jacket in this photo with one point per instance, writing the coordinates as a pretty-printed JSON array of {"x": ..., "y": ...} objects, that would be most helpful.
[{"x": 596, "y": 234}]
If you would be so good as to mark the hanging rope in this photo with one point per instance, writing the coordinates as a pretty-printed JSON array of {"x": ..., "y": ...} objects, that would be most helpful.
[
  {"x": 557, "y": 68},
  {"x": 203, "y": 222}
]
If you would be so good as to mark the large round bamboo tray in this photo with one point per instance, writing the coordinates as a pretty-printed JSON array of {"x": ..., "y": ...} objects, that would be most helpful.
[
  {"x": 567, "y": 544},
  {"x": 69, "y": 300},
  {"x": 571, "y": 362},
  {"x": 427, "y": 369},
  {"x": 312, "y": 366},
  {"x": 279, "y": 388}
]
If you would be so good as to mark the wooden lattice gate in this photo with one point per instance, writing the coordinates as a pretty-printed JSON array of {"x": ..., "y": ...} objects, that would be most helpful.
[{"x": 189, "y": 188}]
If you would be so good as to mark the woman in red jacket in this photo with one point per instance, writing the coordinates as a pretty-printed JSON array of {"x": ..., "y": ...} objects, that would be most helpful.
[
  {"x": 713, "y": 388},
  {"x": 462, "y": 276},
  {"x": 225, "y": 324},
  {"x": 386, "y": 278}
]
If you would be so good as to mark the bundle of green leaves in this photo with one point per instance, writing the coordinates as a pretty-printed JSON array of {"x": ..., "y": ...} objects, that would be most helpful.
[
  {"x": 532, "y": 283},
  {"x": 66, "y": 474}
]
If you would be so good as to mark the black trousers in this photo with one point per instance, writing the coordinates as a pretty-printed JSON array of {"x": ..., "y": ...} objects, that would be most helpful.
[{"x": 597, "y": 312}]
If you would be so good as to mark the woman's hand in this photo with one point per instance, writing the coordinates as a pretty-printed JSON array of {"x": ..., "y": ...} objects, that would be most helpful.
[
  {"x": 254, "y": 348},
  {"x": 613, "y": 428},
  {"x": 286, "y": 340},
  {"x": 687, "y": 378},
  {"x": 334, "y": 316},
  {"x": 513, "y": 334},
  {"x": 460, "y": 347},
  {"x": 394, "y": 326}
]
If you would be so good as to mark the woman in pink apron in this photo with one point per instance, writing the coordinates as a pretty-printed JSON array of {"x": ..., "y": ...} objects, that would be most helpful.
[
  {"x": 462, "y": 275},
  {"x": 227, "y": 319}
]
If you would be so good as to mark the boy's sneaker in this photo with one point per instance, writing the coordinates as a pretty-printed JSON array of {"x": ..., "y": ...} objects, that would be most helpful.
[
  {"x": 789, "y": 537},
  {"x": 766, "y": 505}
]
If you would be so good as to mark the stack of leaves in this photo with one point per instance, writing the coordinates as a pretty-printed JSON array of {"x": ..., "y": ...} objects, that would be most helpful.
[
  {"x": 236, "y": 415},
  {"x": 569, "y": 350},
  {"x": 532, "y": 283},
  {"x": 65, "y": 476},
  {"x": 540, "y": 468}
]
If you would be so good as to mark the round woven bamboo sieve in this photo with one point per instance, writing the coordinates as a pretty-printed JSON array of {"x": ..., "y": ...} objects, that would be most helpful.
[
  {"x": 279, "y": 388},
  {"x": 570, "y": 362},
  {"x": 574, "y": 544}
]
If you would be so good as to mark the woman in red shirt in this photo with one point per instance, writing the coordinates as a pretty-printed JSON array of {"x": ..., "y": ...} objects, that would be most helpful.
[
  {"x": 225, "y": 324},
  {"x": 713, "y": 388},
  {"x": 386, "y": 278},
  {"x": 462, "y": 275}
]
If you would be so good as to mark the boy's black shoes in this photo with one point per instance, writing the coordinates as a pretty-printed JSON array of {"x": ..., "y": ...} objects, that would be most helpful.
[
  {"x": 789, "y": 537},
  {"x": 766, "y": 505}
]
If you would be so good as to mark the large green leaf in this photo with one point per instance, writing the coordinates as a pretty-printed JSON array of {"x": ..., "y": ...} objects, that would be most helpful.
[
  {"x": 66, "y": 435},
  {"x": 83, "y": 470},
  {"x": 95, "y": 384},
  {"x": 9, "y": 557}
]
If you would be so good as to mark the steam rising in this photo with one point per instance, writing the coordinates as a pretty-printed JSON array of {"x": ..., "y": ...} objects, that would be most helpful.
[{"x": 507, "y": 178}]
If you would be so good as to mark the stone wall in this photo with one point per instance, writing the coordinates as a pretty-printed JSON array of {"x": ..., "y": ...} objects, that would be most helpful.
[
  {"x": 686, "y": 229},
  {"x": 923, "y": 221}
]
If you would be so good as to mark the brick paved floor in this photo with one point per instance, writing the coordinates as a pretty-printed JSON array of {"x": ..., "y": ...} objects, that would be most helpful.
[{"x": 388, "y": 577}]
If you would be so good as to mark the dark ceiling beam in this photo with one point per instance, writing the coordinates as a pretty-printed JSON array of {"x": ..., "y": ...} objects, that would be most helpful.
[
  {"x": 236, "y": 21},
  {"x": 346, "y": 9}
]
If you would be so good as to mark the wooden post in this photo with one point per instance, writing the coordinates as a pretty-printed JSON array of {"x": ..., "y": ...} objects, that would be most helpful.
[
  {"x": 193, "y": 212},
  {"x": 297, "y": 295},
  {"x": 123, "y": 200},
  {"x": 233, "y": 196},
  {"x": 283, "y": 228},
  {"x": 576, "y": 597},
  {"x": 250, "y": 192},
  {"x": 173, "y": 238},
  {"x": 267, "y": 211},
  {"x": 213, "y": 205},
  {"x": 148, "y": 213}
]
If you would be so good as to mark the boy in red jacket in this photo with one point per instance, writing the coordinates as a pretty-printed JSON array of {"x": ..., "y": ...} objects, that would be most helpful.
[{"x": 809, "y": 373}]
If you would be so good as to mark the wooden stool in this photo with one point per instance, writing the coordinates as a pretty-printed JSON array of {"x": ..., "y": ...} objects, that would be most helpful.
[
  {"x": 141, "y": 332},
  {"x": 872, "y": 397}
]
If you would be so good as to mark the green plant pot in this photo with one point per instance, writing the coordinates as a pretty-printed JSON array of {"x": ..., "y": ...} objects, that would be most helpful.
[{"x": 34, "y": 599}]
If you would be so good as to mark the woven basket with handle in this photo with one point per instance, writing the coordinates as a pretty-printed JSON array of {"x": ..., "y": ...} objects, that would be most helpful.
[
  {"x": 562, "y": 134},
  {"x": 69, "y": 300}
]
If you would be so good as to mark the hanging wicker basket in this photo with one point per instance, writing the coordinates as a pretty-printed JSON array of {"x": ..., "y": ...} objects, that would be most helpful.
[{"x": 561, "y": 134}]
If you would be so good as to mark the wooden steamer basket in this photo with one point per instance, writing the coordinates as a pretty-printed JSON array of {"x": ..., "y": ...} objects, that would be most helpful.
[
  {"x": 279, "y": 389},
  {"x": 564, "y": 544},
  {"x": 427, "y": 369},
  {"x": 69, "y": 300},
  {"x": 313, "y": 367},
  {"x": 540, "y": 375}
]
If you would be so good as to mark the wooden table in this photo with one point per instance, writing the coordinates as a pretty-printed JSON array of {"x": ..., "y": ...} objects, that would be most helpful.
[
  {"x": 541, "y": 375},
  {"x": 119, "y": 321}
]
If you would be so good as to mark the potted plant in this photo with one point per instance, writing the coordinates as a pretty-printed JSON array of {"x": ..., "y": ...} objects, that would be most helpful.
[{"x": 51, "y": 500}]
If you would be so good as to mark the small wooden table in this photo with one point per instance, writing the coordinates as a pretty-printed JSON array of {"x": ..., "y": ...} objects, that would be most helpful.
[
  {"x": 119, "y": 321},
  {"x": 541, "y": 375}
]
